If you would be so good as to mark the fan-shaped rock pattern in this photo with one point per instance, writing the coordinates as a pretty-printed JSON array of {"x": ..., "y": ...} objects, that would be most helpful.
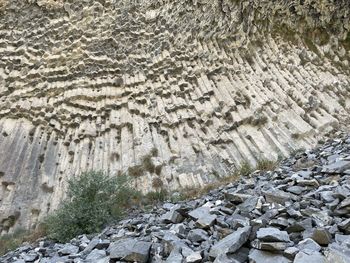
[{"x": 173, "y": 92}]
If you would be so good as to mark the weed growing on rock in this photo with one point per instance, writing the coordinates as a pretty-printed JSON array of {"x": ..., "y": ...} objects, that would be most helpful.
[
  {"x": 266, "y": 165},
  {"x": 10, "y": 242},
  {"x": 245, "y": 169}
]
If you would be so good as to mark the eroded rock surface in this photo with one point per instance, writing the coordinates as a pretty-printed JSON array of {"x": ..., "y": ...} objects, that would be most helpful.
[
  {"x": 173, "y": 93},
  {"x": 307, "y": 228}
]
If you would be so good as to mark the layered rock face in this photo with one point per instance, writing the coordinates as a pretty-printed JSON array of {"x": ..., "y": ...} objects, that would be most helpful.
[{"x": 181, "y": 91}]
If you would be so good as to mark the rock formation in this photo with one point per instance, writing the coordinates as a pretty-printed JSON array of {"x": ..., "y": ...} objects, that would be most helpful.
[
  {"x": 181, "y": 91},
  {"x": 298, "y": 213}
]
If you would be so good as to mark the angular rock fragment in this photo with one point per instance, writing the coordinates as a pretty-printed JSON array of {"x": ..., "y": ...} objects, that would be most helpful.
[
  {"x": 271, "y": 246},
  {"x": 68, "y": 249},
  {"x": 130, "y": 250},
  {"x": 336, "y": 167},
  {"x": 195, "y": 257},
  {"x": 259, "y": 256},
  {"x": 231, "y": 243},
  {"x": 308, "y": 244},
  {"x": 197, "y": 235},
  {"x": 271, "y": 234},
  {"x": 308, "y": 256},
  {"x": 336, "y": 253}
]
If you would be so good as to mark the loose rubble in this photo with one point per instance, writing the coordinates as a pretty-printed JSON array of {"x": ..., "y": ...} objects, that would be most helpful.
[{"x": 291, "y": 214}]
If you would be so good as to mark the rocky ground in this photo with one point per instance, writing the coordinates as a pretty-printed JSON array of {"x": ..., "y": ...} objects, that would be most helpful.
[{"x": 298, "y": 213}]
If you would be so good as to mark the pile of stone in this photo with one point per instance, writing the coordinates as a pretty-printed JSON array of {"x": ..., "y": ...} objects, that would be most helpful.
[{"x": 298, "y": 213}]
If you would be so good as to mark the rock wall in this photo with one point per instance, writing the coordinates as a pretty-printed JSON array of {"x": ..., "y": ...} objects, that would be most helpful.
[{"x": 177, "y": 92}]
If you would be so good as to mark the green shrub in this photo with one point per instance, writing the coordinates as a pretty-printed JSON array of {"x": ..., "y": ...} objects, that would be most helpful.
[{"x": 93, "y": 199}]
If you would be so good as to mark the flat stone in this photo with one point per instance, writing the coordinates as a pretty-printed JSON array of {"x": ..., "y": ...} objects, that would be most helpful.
[
  {"x": 68, "y": 249},
  {"x": 103, "y": 244},
  {"x": 291, "y": 252},
  {"x": 337, "y": 254},
  {"x": 345, "y": 203},
  {"x": 197, "y": 235},
  {"x": 295, "y": 189},
  {"x": 223, "y": 258},
  {"x": 308, "y": 244},
  {"x": 309, "y": 257},
  {"x": 230, "y": 243},
  {"x": 172, "y": 217},
  {"x": 175, "y": 256},
  {"x": 236, "y": 198},
  {"x": 236, "y": 221},
  {"x": 199, "y": 212},
  {"x": 130, "y": 250},
  {"x": 345, "y": 226},
  {"x": 278, "y": 196},
  {"x": 271, "y": 246},
  {"x": 195, "y": 257},
  {"x": 304, "y": 182},
  {"x": 206, "y": 222},
  {"x": 271, "y": 234},
  {"x": 248, "y": 205},
  {"x": 342, "y": 240},
  {"x": 336, "y": 167},
  {"x": 95, "y": 255},
  {"x": 30, "y": 257},
  {"x": 259, "y": 256}
]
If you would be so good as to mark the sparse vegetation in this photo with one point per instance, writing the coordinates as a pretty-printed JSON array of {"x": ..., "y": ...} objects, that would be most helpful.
[
  {"x": 297, "y": 151},
  {"x": 265, "y": 165},
  {"x": 93, "y": 199},
  {"x": 146, "y": 165},
  {"x": 245, "y": 169},
  {"x": 135, "y": 171},
  {"x": 342, "y": 102},
  {"x": 10, "y": 242},
  {"x": 153, "y": 197},
  {"x": 157, "y": 183}
]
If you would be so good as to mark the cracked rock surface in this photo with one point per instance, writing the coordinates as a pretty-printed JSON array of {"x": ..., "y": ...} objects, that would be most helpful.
[{"x": 301, "y": 228}]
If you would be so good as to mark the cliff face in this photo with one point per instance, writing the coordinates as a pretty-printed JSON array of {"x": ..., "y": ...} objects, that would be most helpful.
[{"x": 180, "y": 92}]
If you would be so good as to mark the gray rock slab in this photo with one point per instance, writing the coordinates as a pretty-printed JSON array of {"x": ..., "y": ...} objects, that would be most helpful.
[
  {"x": 130, "y": 250},
  {"x": 259, "y": 256},
  {"x": 271, "y": 234},
  {"x": 309, "y": 257},
  {"x": 230, "y": 243}
]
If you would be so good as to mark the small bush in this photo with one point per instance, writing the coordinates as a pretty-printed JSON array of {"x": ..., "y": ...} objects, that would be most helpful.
[
  {"x": 93, "y": 199},
  {"x": 245, "y": 169},
  {"x": 266, "y": 165}
]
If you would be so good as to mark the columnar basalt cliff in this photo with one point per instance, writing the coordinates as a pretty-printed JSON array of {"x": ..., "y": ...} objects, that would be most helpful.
[{"x": 181, "y": 91}]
